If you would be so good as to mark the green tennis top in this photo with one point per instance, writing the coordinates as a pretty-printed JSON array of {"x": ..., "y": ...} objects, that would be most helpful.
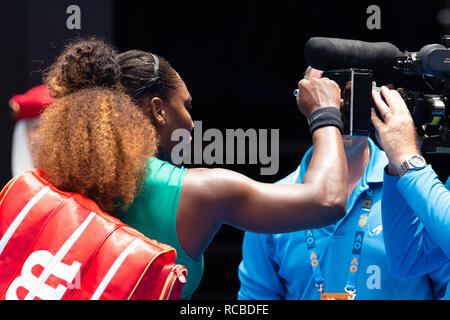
[{"x": 154, "y": 213}]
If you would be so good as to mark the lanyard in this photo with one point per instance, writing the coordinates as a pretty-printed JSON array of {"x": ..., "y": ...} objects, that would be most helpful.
[{"x": 358, "y": 239}]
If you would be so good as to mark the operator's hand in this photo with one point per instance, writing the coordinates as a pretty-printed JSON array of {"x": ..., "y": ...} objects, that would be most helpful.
[
  {"x": 396, "y": 132},
  {"x": 316, "y": 94}
]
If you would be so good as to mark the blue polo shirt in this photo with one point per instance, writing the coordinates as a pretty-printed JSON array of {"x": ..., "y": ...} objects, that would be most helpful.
[
  {"x": 419, "y": 220},
  {"x": 278, "y": 266}
]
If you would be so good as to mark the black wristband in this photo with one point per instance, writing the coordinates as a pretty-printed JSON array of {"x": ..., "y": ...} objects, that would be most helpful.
[{"x": 329, "y": 116}]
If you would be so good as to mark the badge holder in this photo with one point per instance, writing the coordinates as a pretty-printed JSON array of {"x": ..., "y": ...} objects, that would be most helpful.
[{"x": 349, "y": 295}]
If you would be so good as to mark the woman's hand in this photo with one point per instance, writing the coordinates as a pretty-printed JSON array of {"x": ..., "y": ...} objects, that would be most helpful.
[{"x": 316, "y": 94}]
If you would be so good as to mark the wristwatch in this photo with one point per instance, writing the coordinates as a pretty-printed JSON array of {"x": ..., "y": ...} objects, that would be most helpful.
[{"x": 414, "y": 162}]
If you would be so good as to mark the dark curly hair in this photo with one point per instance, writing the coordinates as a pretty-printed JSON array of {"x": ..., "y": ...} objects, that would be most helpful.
[
  {"x": 93, "y": 140},
  {"x": 84, "y": 63}
]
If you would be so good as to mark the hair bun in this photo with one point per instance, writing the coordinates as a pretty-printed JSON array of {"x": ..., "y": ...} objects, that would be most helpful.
[{"x": 85, "y": 63}]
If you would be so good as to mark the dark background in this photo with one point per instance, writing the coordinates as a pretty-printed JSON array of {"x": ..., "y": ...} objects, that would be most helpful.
[{"x": 241, "y": 62}]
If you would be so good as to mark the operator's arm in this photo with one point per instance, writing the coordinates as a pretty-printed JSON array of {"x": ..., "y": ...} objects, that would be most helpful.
[
  {"x": 430, "y": 201},
  {"x": 410, "y": 248}
]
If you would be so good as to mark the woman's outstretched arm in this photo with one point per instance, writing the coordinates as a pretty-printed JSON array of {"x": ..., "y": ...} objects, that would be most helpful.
[{"x": 212, "y": 197}]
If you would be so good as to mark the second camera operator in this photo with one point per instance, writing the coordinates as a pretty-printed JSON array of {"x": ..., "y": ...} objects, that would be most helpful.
[{"x": 416, "y": 225}]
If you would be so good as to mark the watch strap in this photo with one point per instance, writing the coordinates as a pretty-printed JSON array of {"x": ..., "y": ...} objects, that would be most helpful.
[{"x": 404, "y": 168}]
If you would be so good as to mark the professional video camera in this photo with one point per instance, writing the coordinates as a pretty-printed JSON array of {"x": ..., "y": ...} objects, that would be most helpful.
[{"x": 354, "y": 65}]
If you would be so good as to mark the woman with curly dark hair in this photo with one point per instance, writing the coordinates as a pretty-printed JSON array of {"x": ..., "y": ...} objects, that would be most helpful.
[
  {"x": 93, "y": 140},
  {"x": 89, "y": 145}
]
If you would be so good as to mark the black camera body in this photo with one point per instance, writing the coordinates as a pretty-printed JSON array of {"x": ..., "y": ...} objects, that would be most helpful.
[{"x": 430, "y": 111}]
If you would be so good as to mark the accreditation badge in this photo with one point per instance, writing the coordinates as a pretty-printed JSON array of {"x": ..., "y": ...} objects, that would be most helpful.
[{"x": 337, "y": 296}]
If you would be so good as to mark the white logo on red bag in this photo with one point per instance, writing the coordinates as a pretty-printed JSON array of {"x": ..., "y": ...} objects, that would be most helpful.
[{"x": 31, "y": 283}]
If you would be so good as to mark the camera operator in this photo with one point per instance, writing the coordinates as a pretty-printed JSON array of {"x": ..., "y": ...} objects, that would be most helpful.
[{"x": 415, "y": 204}]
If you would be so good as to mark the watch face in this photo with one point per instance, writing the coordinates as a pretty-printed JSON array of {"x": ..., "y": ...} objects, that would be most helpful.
[{"x": 417, "y": 161}]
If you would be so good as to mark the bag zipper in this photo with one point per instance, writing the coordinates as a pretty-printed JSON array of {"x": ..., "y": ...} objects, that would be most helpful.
[{"x": 176, "y": 273}]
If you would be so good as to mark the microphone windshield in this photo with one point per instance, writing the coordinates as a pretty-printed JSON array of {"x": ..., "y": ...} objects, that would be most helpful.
[{"x": 333, "y": 53}]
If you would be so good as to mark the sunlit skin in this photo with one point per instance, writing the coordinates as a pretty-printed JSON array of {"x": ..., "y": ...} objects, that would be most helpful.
[{"x": 396, "y": 132}]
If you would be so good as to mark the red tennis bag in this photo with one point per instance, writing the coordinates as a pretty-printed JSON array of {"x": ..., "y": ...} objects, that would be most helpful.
[{"x": 59, "y": 245}]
